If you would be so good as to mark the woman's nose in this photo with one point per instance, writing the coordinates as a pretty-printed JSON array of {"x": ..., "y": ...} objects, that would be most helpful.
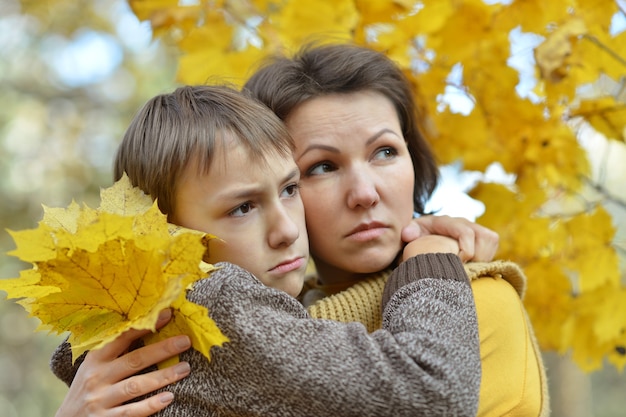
[{"x": 361, "y": 190}]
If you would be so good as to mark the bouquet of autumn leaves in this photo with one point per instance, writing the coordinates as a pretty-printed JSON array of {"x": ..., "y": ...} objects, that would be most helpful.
[{"x": 99, "y": 272}]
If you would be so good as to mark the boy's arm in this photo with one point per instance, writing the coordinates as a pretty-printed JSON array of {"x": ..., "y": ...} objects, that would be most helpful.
[{"x": 281, "y": 362}]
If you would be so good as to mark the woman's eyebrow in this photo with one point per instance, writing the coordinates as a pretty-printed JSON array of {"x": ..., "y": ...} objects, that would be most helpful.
[
  {"x": 315, "y": 146},
  {"x": 379, "y": 134}
]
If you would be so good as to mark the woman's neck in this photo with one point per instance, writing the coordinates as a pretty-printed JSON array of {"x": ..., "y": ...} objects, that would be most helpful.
[{"x": 332, "y": 276}]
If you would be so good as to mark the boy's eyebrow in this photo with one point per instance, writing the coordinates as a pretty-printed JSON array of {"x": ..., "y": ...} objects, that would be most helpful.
[
  {"x": 252, "y": 191},
  {"x": 294, "y": 173}
]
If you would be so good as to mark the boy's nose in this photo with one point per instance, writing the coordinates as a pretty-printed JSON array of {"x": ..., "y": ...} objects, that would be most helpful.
[{"x": 283, "y": 230}]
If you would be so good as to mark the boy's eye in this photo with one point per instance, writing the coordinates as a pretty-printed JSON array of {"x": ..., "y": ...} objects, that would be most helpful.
[
  {"x": 242, "y": 210},
  {"x": 320, "y": 168},
  {"x": 291, "y": 190},
  {"x": 385, "y": 153}
]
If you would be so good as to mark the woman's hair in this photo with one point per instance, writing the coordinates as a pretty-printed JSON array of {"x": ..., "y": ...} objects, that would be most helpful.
[
  {"x": 316, "y": 70},
  {"x": 171, "y": 129}
]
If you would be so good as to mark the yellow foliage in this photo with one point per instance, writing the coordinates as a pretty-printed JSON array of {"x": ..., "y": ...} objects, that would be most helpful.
[
  {"x": 382, "y": 11},
  {"x": 534, "y": 16},
  {"x": 463, "y": 137},
  {"x": 330, "y": 18},
  {"x": 198, "y": 64},
  {"x": 553, "y": 54},
  {"x": 595, "y": 232},
  {"x": 97, "y": 273},
  {"x": 549, "y": 304},
  {"x": 598, "y": 14},
  {"x": 605, "y": 114},
  {"x": 568, "y": 269}
]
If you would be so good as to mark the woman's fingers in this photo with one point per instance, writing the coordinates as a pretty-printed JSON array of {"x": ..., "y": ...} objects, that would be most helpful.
[
  {"x": 143, "y": 408},
  {"x": 477, "y": 243},
  {"x": 107, "y": 380},
  {"x": 139, "y": 359},
  {"x": 430, "y": 244},
  {"x": 139, "y": 385},
  {"x": 486, "y": 244}
]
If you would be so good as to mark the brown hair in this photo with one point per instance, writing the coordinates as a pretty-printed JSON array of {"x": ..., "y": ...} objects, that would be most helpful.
[
  {"x": 172, "y": 128},
  {"x": 283, "y": 83}
]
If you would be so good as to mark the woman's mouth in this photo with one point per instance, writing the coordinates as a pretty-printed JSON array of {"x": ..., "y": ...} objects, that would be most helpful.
[{"x": 367, "y": 231}]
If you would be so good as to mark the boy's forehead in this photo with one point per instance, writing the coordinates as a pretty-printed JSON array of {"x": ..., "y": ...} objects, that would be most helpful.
[{"x": 233, "y": 156}]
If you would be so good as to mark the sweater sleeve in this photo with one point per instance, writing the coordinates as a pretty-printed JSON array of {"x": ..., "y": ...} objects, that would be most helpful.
[{"x": 281, "y": 362}]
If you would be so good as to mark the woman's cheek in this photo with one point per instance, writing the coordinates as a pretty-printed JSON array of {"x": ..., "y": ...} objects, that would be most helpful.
[{"x": 314, "y": 208}]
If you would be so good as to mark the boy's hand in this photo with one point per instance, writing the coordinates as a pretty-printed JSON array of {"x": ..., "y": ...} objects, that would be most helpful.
[
  {"x": 106, "y": 380},
  {"x": 477, "y": 243}
]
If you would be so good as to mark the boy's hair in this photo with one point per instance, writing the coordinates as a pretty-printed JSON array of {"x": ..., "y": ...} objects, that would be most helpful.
[
  {"x": 171, "y": 129},
  {"x": 321, "y": 69}
]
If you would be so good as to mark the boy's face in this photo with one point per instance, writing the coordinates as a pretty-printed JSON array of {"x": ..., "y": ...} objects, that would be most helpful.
[{"x": 254, "y": 209}]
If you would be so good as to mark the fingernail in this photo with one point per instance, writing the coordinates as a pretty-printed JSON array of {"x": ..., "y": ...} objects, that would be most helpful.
[
  {"x": 182, "y": 342},
  {"x": 165, "y": 315},
  {"x": 182, "y": 369},
  {"x": 166, "y": 397}
]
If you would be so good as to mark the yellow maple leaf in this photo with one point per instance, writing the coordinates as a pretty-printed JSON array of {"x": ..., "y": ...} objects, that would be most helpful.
[
  {"x": 97, "y": 273},
  {"x": 552, "y": 55},
  {"x": 336, "y": 19},
  {"x": 606, "y": 114},
  {"x": 532, "y": 15}
]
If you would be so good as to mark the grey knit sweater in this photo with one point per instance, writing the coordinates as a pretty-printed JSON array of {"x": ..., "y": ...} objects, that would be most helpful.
[{"x": 425, "y": 360}]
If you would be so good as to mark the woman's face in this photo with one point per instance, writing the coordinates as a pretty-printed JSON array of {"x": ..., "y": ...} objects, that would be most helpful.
[{"x": 356, "y": 181}]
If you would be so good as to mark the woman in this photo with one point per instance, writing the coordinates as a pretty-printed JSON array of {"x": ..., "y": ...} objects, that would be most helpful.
[
  {"x": 351, "y": 113},
  {"x": 374, "y": 233}
]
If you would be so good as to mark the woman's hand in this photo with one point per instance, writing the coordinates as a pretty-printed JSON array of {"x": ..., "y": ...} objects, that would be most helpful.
[
  {"x": 105, "y": 381},
  {"x": 430, "y": 244},
  {"x": 477, "y": 243}
]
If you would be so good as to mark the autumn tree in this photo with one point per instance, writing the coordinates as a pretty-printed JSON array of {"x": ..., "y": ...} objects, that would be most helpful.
[{"x": 553, "y": 218}]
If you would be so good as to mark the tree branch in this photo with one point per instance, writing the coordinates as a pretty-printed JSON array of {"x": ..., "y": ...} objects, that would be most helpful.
[
  {"x": 605, "y": 48},
  {"x": 605, "y": 193}
]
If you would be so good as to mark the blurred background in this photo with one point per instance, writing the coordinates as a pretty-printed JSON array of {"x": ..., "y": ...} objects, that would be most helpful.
[{"x": 71, "y": 78}]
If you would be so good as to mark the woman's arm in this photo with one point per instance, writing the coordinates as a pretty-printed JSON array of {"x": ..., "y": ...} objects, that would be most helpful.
[{"x": 104, "y": 381}]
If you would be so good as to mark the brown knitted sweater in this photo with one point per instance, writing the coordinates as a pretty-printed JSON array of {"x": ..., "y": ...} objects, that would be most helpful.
[{"x": 280, "y": 362}]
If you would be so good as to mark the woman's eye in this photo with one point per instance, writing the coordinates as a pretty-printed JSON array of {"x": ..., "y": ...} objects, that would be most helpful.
[
  {"x": 242, "y": 210},
  {"x": 320, "y": 168},
  {"x": 385, "y": 153},
  {"x": 291, "y": 190}
]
